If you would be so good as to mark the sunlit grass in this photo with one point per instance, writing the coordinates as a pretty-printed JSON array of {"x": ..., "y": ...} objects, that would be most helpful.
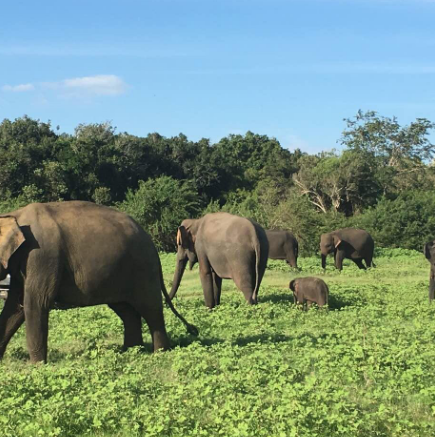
[{"x": 363, "y": 368}]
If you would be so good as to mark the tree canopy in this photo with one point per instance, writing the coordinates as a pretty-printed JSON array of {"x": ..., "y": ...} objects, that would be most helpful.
[{"x": 162, "y": 180}]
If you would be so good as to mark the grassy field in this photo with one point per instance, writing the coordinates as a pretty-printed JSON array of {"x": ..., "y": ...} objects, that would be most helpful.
[{"x": 366, "y": 367}]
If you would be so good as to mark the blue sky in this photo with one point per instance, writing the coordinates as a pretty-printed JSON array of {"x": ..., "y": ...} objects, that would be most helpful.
[{"x": 207, "y": 68}]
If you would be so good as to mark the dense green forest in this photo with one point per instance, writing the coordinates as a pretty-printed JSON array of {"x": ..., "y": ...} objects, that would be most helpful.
[{"x": 382, "y": 179}]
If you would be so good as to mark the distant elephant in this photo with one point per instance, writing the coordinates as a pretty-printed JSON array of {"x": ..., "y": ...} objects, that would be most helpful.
[
  {"x": 354, "y": 244},
  {"x": 226, "y": 247},
  {"x": 429, "y": 252},
  {"x": 283, "y": 245},
  {"x": 309, "y": 290},
  {"x": 79, "y": 254}
]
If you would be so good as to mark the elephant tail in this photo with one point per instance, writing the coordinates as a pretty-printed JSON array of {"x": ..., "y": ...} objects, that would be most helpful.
[
  {"x": 257, "y": 270},
  {"x": 191, "y": 329}
]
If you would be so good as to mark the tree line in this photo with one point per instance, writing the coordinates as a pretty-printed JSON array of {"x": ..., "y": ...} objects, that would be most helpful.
[{"x": 382, "y": 179}]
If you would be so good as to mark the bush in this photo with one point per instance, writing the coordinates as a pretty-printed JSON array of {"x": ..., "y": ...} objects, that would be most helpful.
[
  {"x": 407, "y": 221},
  {"x": 160, "y": 205}
]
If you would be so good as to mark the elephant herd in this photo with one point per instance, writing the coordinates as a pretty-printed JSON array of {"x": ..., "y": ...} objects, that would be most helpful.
[{"x": 77, "y": 254}]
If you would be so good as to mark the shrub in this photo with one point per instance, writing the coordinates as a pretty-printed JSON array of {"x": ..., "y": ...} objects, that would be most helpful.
[
  {"x": 160, "y": 205},
  {"x": 407, "y": 221}
]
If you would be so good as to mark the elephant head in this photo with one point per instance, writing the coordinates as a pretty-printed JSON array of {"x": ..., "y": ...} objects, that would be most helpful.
[
  {"x": 328, "y": 244},
  {"x": 186, "y": 236},
  {"x": 429, "y": 252},
  {"x": 294, "y": 286},
  {"x": 11, "y": 238}
]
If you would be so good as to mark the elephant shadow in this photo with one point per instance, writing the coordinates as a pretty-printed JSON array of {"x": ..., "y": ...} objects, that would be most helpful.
[
  {"x": 338, "y": 302},
  {"x": 335, "y": 302},
  {"x": 241, "y": 341},
  {"x": 277, "y": 298}
]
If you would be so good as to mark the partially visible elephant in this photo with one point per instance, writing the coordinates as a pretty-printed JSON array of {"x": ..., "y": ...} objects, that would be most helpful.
[
  {"x": 79, "y": 254},
  {"x": 354, "y": 244},
  {"x": 283, "y": 245},
  {"x": 309, "y": 290},
  {"x": 429, "y": 253},
  {"x": 4, "y": 288},
  {"x": 226, "y": 247}
]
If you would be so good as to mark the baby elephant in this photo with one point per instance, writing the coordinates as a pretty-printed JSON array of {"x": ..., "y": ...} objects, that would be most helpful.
[{"x": 309, "y": 290}]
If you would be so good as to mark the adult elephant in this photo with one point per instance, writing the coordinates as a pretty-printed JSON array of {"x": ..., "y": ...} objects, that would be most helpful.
[
  {"x": 283, "y": 245},
  {"x": 354, "y": 244},
  {"x": 226, "y": 247},
  {"x": 79, "y": 254},
  {"x": 429, "y": 253}
]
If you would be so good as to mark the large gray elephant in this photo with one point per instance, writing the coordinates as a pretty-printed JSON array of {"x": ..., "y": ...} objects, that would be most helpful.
[
  {"x": 283, "y": 245},
  {"x": 79, "y": 254},
  {"x": 354, "y": 244},
  {"x": 226, "y": 247},
  {"x": 429, "y": 253}
]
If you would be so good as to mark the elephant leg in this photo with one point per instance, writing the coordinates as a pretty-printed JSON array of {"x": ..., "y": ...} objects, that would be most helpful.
[
  {"x": 217, "y": 288},
  {"x": 248, "y": 292},
  {"x": 153, "y": 316},
  {"x": 245, "y": 282},
  {"x": 431, "y": 285},
  {"x": 132, "y": 321},
  {"x": 339, "y": 256},
  {"x": 36, "y": 314},
  {"x": 11, "y": 318},
  {"x": 206, "y": 277},
  {"x": 360, "y": 264}
]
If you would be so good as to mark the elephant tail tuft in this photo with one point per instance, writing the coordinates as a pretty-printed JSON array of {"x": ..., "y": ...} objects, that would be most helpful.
[{"x": 192, "y": 330}]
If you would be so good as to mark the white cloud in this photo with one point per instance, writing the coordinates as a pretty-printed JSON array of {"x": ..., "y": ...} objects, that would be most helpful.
[
  {"x": 104, "y": 85},
  {"x": 99, "y": 85},
  {"x": 81, "y": 87},
  {"x": 19, "y": 88}
]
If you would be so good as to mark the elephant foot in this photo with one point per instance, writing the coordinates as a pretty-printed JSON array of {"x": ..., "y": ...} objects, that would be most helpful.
[{"x": 160, "y": 341}]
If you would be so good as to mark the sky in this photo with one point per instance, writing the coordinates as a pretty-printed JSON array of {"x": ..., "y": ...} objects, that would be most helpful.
[{"x": 289, "y": 69}]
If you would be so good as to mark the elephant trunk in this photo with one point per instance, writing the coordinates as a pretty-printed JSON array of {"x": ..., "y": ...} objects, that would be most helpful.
[
  {"x": 191, "y": 264},
  {"x": 323, "y": 261},
  {"x": 179, "y": 271},
  {"x": 293, "y": 261}
]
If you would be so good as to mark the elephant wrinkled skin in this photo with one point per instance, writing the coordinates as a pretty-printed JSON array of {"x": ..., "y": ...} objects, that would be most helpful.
[
  {"x": 283, "y": 245},
  {"x": 354, "y": 244},
  {"x": 226, "y": 247},
  {"x": 309, "y": 290},
  {"x": 79, "y": 254}
]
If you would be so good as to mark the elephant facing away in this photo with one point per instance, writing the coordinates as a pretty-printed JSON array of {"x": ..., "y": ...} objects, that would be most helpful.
[
  {"x": 79, "y": 254},
  {"x": 309, "y": 290},
  {"x": 283, "y": 245},
  {"x": 226, "y": 247},
  {"x": 354, "y": 244},
  {"x": 429, "y": 253}
]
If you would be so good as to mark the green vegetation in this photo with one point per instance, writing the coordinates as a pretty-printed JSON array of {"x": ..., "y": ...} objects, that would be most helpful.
[
  {"x": 363, "y": 368},
  {"x": 382, "y": 180}
]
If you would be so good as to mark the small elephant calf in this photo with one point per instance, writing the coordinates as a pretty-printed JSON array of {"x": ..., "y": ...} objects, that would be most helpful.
[{"x": 309, "y": 290}]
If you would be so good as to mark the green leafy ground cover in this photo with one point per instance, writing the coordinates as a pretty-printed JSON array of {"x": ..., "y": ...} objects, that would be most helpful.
[{"x": 363, "y": 368}]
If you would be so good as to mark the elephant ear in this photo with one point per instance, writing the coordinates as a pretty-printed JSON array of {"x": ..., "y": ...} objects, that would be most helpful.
[
  {"x": 183, "y": 237},
  {"x": 337, "y": 241},
  {"x": 292, "y": 285},
  {"x": 11, "y": 238},
  {"x": 427, "y": 248}
]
